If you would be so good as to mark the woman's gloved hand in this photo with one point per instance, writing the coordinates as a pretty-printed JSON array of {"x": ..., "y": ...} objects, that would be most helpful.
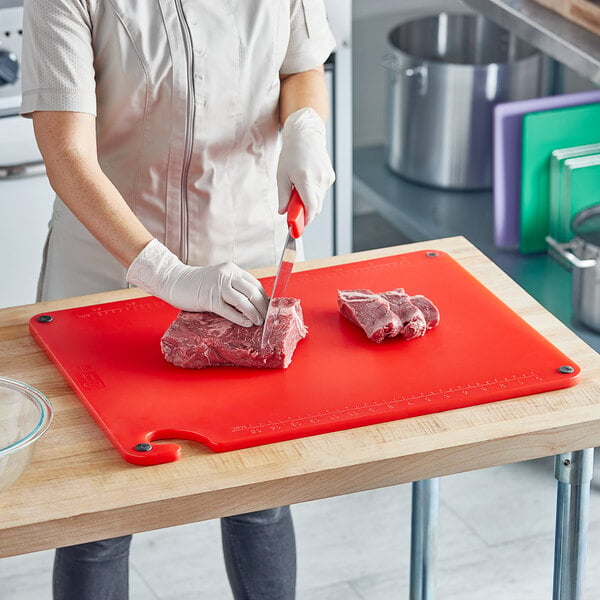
[
  {"x": 304, "y": 162},
  {"x": 224, "y": 289}
]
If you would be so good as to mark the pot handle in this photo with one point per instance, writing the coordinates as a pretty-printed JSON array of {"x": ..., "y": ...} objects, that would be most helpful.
[
  {"x": 564, "y": 251},
  {"x": 390, "y": 61}
]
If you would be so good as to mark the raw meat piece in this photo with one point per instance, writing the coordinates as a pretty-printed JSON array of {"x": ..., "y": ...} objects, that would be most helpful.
[
  {"x": 204, "y": 339},
  {"x": 388, "y": 314},
  {"x": 428, "y": 308},
  {"x": 370, "y": 312},
  {"x": 412, "y": 321}
]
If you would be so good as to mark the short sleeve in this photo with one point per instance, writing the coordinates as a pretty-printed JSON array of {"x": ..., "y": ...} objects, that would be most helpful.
[
  {"x": 58, "y": 60},
  {"x": 311, "y": 41}
]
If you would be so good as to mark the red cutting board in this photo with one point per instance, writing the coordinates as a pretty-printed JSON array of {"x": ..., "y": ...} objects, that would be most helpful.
[{"x": 482, "y": 351}]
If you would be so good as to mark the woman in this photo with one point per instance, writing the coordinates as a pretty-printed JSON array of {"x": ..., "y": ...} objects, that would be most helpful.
[{"x": 158, "y": 121}]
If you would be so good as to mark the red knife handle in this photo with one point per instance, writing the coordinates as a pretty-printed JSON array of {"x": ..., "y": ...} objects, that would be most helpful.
[{"x": 296, "y": 216}]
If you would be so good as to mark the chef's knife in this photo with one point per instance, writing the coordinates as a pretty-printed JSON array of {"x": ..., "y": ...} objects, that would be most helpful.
[{"x": 295, "y": 220}]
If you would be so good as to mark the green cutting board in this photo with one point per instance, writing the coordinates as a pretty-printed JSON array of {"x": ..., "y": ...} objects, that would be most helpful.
[{"x": 544, "y": 132}]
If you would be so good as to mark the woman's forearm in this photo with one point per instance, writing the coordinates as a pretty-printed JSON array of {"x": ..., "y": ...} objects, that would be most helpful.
[
  {"x": 301, "y": 90},
  {"x": 67, "y": 141}
]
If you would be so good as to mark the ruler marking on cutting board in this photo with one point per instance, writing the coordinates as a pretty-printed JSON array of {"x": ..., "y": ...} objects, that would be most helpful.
[
  {"x": 393, "y": 404},
  {"x": 102, "y": 310},
  {"x": 329, "y": 273}
]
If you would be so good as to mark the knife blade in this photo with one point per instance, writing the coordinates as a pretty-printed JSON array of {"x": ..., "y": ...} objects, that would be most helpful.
[{"x": 296, "y": 221}]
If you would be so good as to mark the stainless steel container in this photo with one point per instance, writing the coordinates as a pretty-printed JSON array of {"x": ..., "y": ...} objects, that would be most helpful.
[
  {"x": 582, "y": 254},
  {"x": 446, "y": 73}
]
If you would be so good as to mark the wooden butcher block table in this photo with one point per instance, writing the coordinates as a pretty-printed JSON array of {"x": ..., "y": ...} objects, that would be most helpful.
[{"x": 78, "y": 487}]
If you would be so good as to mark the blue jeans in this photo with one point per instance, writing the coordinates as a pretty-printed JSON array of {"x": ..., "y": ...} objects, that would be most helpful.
[{"x": 259, "y": 550}]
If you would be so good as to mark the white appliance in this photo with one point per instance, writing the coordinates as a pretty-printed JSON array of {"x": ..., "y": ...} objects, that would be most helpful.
[
  {"x": 26, "y": 197},
  {"x": 25, "y": 194}
]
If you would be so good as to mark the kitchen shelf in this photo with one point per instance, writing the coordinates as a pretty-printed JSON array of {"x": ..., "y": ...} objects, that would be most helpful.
[
  {"x": 559, "y": 38},
  {"x": 423, "y": 213}
]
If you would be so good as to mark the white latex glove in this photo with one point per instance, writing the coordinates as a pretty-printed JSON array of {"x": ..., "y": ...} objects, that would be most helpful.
[
  {"x": 224, "y": 289},
  {"x": 304, "y": 162}
]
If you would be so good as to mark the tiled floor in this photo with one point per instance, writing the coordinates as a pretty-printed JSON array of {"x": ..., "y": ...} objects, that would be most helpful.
[{"x": 495, "y": 537}]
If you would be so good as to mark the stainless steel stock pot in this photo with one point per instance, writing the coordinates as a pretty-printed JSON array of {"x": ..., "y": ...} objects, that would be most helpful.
[{"x": 446, "y": 73}]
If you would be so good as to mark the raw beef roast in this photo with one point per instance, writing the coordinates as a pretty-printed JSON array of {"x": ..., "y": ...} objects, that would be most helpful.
[
  {"x": 389, "y": 314},
  {"x": 204, "y": 339}
]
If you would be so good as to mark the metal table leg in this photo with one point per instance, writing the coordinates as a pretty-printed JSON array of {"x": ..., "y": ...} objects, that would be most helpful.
[
  {"x": 425, "y": 512},
  {"x": 573, "y": 470}
]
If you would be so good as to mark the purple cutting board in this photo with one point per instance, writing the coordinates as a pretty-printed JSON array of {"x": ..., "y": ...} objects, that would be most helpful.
[{"x": 508, "y": 118}]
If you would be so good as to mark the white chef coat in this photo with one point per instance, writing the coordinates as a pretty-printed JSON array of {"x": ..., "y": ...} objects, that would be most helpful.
[{"x": 185, "y": 94}]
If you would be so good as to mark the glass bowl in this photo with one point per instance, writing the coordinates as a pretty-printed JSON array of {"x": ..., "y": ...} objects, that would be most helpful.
[{"x": 25, "y": 415}]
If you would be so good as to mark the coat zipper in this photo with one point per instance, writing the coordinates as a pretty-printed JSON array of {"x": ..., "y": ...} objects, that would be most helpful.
[{"x": 188, "y": 140}]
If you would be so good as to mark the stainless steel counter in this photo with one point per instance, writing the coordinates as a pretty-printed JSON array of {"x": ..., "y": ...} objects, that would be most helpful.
[
  {"x": 567, "y": 43},
  {"x": 423, "y": 213}
]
